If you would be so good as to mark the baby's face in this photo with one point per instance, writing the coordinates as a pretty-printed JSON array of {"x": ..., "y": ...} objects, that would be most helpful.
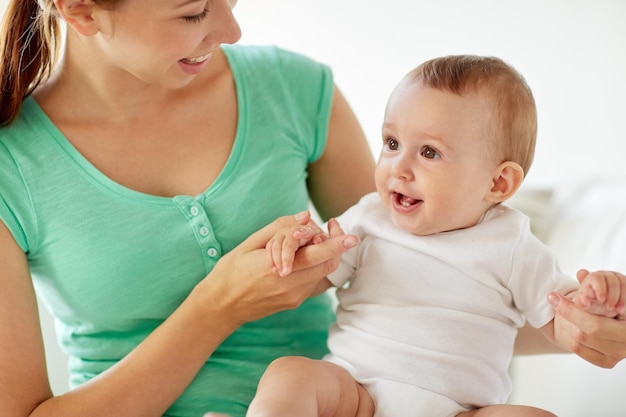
[{"x": 436, "y": 165}]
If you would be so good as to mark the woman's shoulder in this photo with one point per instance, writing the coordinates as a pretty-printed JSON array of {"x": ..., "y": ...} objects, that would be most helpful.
[
  {"x": 262, "y": 52},
  {"x": 28, "y": 137},
  {"x": 272, "y": 57}
]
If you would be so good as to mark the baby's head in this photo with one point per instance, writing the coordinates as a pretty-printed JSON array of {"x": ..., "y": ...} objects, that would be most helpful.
[{"x": 458, "y": 137}]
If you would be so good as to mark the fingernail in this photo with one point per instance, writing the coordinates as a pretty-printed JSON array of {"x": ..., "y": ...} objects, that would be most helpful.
[
  {"x": 350, "y": 242},
  {"x": 553, "y": 300},
  {"x": 302, "y": 215},
  {"x": 318, "y": 239},
  {"x": 299, "y": 231}
]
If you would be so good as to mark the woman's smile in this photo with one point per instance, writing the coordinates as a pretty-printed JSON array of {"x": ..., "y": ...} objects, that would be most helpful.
[
  {"x": 197, "y": 60},
  {"x": 194, "y": 65}
]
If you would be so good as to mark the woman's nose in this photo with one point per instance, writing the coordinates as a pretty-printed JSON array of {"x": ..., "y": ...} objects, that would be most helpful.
[{"x": 224, "y": 27}]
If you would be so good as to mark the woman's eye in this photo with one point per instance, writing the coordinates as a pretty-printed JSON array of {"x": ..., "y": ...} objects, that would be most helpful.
[
  {"x": 430, "y": 153},
  {"x": 197, "y": 18}
]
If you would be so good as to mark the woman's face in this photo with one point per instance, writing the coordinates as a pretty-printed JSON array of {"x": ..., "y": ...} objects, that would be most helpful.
[{"x": 166, "y": 42}]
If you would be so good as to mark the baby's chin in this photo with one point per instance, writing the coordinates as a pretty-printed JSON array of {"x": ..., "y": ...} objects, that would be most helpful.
[{"x": 415, "y": 226}]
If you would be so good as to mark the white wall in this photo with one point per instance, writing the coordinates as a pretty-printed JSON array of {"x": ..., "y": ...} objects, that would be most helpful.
[{"x": 572, "y": 52}]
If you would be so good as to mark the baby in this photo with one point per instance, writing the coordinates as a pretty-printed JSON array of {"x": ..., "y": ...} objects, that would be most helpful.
[{"x": 445, "y": 274}]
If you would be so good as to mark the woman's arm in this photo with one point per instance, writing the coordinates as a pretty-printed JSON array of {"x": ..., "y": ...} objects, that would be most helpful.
[
  {"x": 241, "y": 288},
  {"x": 23, "y": 375},
  {"x": 345, "y": 172},
  {"x": 532, "y": 341}
]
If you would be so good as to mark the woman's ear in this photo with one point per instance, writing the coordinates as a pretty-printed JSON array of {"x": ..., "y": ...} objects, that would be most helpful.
[
  {"x": 79, "y": 15},
  {"x": 507, "y": 178}
]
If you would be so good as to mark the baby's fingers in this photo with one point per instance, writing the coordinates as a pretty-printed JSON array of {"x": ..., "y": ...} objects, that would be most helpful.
[
  {"x": 616, "y": 288},
  {"x": 595, "y": 287},
  {"x": 284, "y": 253},
  {"x": 334, "y": 229},
  {"x": 274, "y": 252},
  {"x": 608, "y": 289}
]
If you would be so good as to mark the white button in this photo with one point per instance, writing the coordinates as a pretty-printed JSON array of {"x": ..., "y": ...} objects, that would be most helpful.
[
  {"x": 194, "y": 211},
  {"x": 204, "y": 231},
  {"x": 212, "y": 252}
]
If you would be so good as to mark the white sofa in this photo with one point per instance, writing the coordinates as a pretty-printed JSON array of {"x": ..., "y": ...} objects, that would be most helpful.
[{"x": 585, "y": 224}]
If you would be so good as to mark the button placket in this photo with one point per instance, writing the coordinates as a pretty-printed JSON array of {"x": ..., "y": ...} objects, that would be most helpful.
[{"x": 201, "y": 226}]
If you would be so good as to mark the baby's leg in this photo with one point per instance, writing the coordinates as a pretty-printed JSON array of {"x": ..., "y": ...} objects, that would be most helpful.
[
  {"x": 297, "y": 386},
  {"x": 507, "y": 410}
]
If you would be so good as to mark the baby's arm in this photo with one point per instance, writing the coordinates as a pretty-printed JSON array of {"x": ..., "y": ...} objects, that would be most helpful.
[{"x": 602, "y": 293}]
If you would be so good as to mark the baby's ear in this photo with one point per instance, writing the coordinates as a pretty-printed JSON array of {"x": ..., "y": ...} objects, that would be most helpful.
[
  {"x": 507, "y": 178},
  {"x": 78, "y": 14}
]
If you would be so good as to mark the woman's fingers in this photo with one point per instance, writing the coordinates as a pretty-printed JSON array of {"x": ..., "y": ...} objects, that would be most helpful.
[
  {"x": 324, "y": 257},
  {"x": 597, "y": 339}
]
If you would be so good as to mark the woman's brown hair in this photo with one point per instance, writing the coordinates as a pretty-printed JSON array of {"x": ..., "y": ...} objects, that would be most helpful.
[{"x": 29, "y": 45}]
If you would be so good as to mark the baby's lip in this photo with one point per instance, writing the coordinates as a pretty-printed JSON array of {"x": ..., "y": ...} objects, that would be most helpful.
[{"x": 404, "y": 200}]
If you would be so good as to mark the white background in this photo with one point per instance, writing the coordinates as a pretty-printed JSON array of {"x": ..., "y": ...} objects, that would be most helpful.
[{"x": 572, "y": 52}]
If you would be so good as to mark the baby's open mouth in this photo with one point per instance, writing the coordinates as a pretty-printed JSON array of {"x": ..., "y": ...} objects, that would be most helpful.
[{"x": 405, "y": 201}]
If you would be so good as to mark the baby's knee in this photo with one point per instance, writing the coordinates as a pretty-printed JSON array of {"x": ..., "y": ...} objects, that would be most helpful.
[
  {"x": 290, "y": 362},
  {"x": 506, "y": 410},
  {"x": 290, "y": 367}
]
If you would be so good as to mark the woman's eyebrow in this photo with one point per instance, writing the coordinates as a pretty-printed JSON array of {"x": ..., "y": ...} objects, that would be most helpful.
[{"x": 186, "y": 2}]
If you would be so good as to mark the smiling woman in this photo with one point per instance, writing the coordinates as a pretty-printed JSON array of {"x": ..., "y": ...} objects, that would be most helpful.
[{"x": 129, "y": 168}]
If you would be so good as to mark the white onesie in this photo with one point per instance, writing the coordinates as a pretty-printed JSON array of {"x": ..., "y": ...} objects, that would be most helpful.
[{"x": 427, "y": 323}]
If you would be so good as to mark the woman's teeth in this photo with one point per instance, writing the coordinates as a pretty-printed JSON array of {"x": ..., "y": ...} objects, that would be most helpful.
[{"x": 196, "y": 60}]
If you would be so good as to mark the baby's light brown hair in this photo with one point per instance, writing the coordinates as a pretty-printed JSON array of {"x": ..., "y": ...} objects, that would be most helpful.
[{"x": 513, "y": 130}]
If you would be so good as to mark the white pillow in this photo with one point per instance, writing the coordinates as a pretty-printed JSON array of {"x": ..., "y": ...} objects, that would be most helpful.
[{"x": 586, "y": 227}]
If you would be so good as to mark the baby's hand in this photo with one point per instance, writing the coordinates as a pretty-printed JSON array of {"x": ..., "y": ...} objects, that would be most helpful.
[
  {"x": 281, "y": 248},
  {"x": 602, "y": 293}
]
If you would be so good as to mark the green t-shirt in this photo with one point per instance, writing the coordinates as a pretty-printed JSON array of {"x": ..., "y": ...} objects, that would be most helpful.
[{"x": 112, "y": 263}]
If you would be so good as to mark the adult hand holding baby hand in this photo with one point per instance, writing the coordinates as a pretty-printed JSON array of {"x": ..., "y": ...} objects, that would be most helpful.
[
  {"x": 245, "y": 285},
  {"x": 597, "y": 339}
]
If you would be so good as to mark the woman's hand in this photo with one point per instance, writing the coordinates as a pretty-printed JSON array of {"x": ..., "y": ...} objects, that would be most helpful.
[
  {"x": 245, "y": 286},
  {"x": 599, "y": 340}
]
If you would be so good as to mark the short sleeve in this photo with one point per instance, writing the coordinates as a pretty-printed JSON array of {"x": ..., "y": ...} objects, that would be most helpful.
[
  {"x": 311, "y": 87},
  {"x": 535, "y": 273},
  {"x": 15, "y": 207}
]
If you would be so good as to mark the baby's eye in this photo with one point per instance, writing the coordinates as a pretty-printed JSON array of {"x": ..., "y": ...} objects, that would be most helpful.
[
  {"x": 430, "y": 153},
  {"x": 391, "y": 144}
]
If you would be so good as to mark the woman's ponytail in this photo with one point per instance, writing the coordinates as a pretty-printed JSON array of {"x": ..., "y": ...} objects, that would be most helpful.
[{"x": 29, "y": 40}]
